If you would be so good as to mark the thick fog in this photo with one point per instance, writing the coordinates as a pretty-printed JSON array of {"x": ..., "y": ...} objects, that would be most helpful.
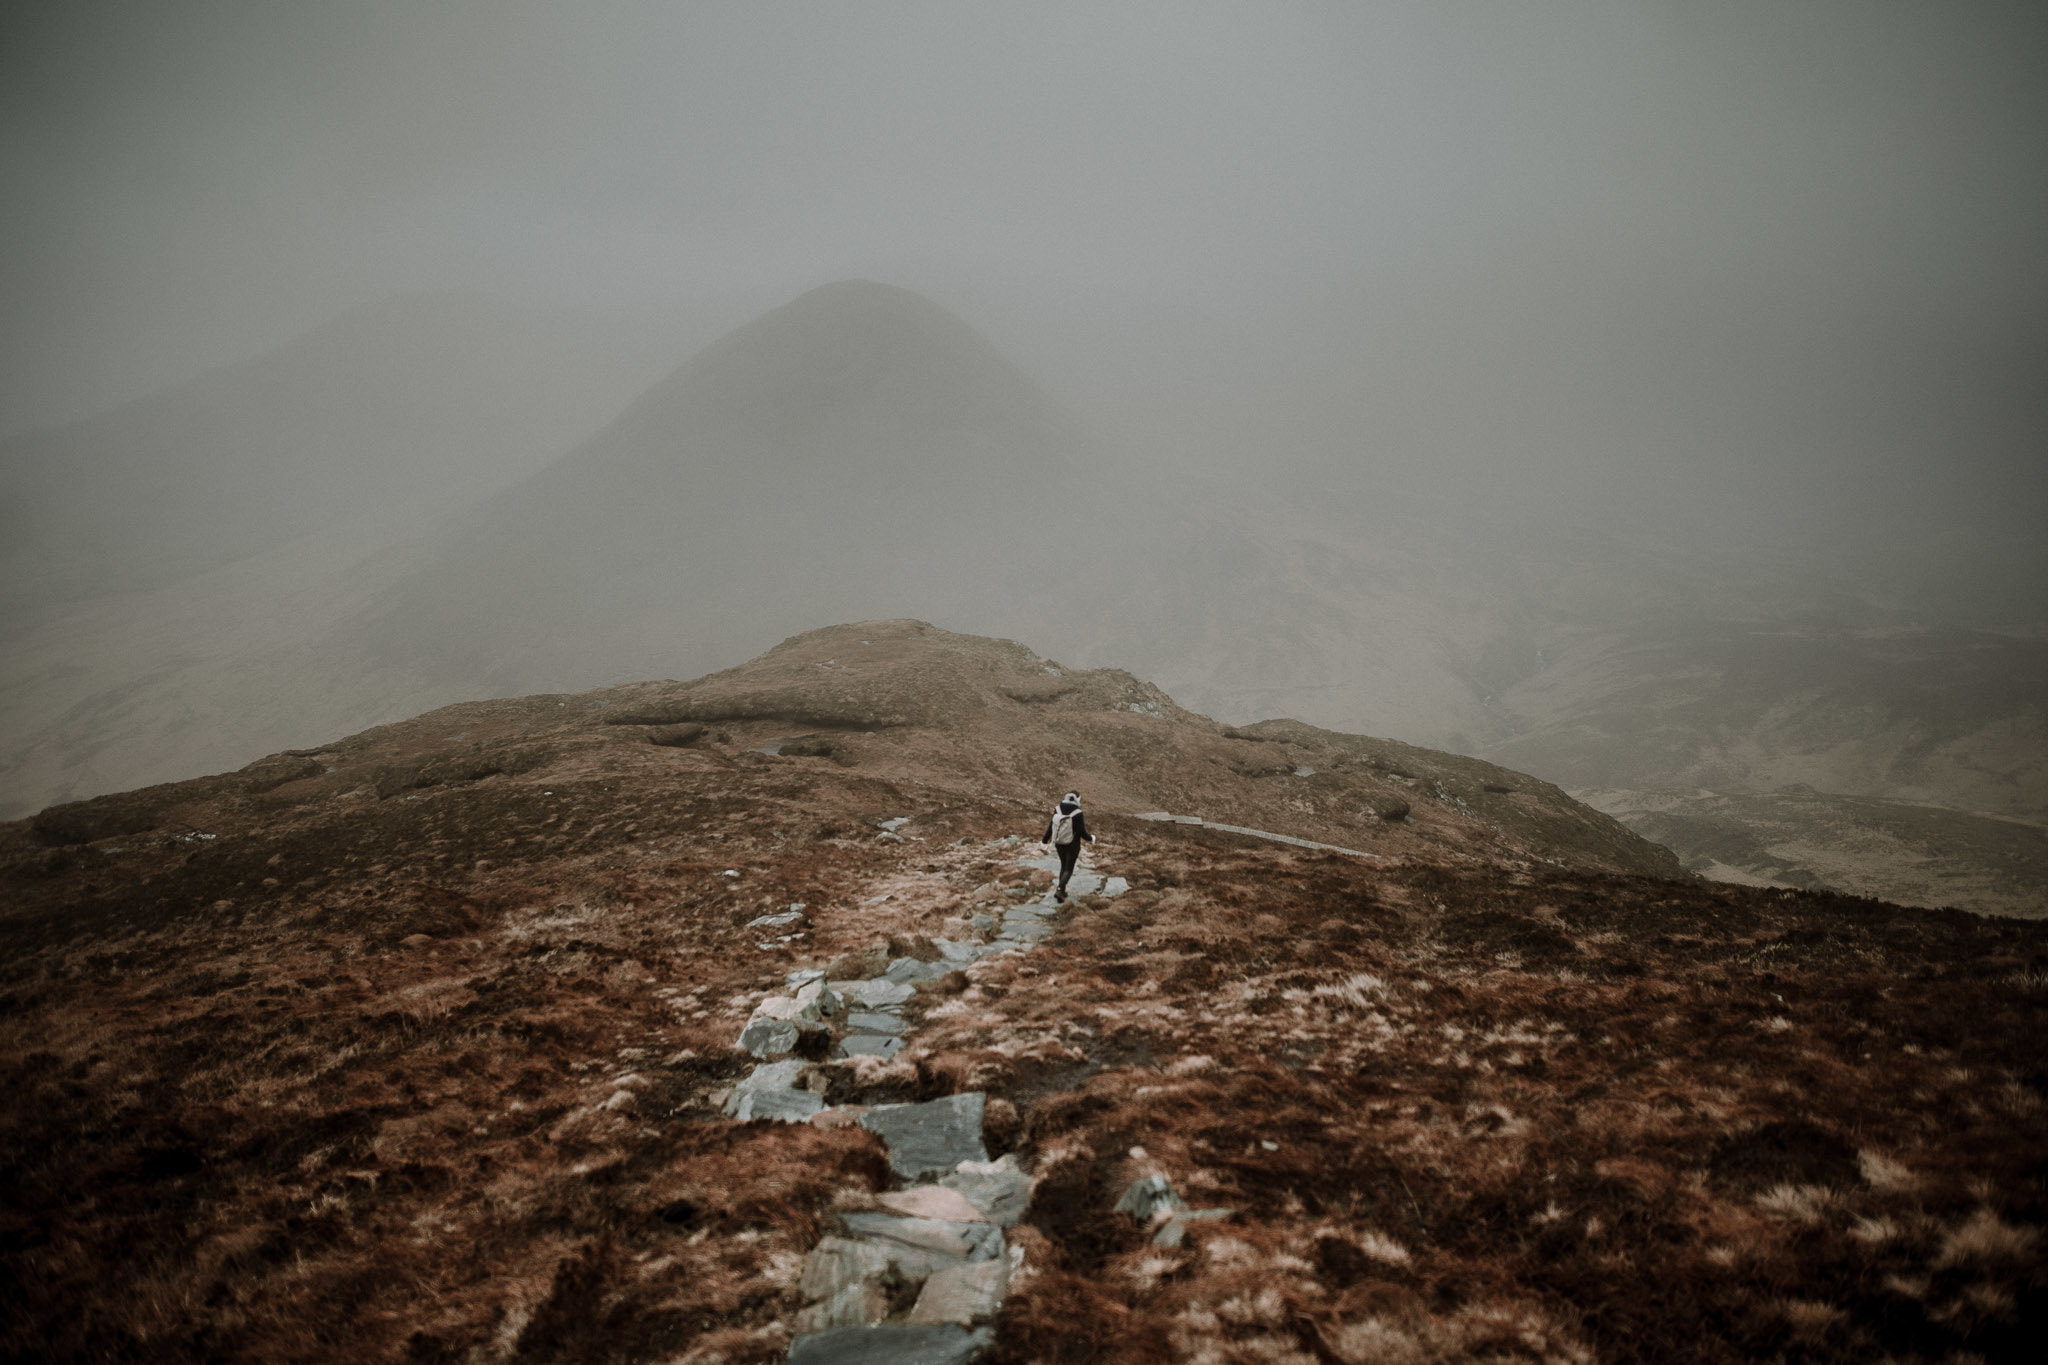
[{"x": 1732, "y": 260}]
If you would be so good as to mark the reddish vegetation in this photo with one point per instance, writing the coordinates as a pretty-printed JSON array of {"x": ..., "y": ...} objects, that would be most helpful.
[{"x": 418, "y": 1056}]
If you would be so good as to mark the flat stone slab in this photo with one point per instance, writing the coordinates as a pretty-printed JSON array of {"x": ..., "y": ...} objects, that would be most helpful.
[
  {"x": 997, "y": 1188},
  {"x": 935, "y": 1236},
  {"x": 1026, "y": 928},
  {"x": 769, "y": 1092},
  {"x": 784, "y": 1106},
  {"x": 873, "y": 992},
  {"x": 875, "y": 1023},
  {"x": 843, "y": 1282},
  {"x": 931, "y": 1137},
  {"x": 965, "y": 1294},
  {"x": 909, "y": 969},
  {"x": 957, "y": 953},
  {"x": 767, "y": 1076},
  {"x": 871, "y": 1045},
  {"x": 892, "y": 1344},
  {"x": 931, "y": 1201}
]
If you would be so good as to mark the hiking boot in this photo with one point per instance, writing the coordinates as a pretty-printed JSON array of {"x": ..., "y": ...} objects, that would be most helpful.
[{"x": 1059, "y": 898}]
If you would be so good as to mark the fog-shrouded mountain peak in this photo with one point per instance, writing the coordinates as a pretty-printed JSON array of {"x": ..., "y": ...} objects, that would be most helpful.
[
  {"x": 856, "y": 452},
  {"x": 867, "y": 374}
]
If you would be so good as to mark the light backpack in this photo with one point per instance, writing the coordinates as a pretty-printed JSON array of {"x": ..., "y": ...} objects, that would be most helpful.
[{"x": 1063, "y": 827}]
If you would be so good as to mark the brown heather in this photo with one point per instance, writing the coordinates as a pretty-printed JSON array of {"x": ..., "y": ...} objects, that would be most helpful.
[{"x": 418, "y": 1056}]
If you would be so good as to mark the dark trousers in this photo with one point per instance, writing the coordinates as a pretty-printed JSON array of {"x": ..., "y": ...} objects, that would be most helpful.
[{"x": 1069, "y": 854}]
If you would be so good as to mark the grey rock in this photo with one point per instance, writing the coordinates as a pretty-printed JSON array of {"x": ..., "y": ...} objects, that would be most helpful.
[
  {"x": 931, "y": 1137},
  {"x": 871, "y": 1045},
  {"x": 843, "y": 1282},
  {"x": 855, "y": 1305},
  {"x": 1026, "y": 928},
  {"x": 965, "y": 1294},
  {"x": 816, "y": 1000},
  {"x": 776, "y": 1075},
  {"x": 873, "y": 992},
  {"x": 937, "y": 1236},
  {"x": 785, "y": 1106},
  {"x": 875, "y": 1023},
  {"x": 889, "y": 836},
  {"x": 892, "y": 1344},
  {"x": 803, "y": 977},
  {"x": 910, "y": 971},
  {"x": 769, "y": 1076},
  {"x": 770, "y": 1037},
  {"x": 997, "y": 1188},
  {"x": 957, "y": 953},
  {"x": 984, "y": 922},
  {"x": 1115, "y": 886},
  {"x": 777, "y": 921},
  {"x": 1146, "y": 1197}
]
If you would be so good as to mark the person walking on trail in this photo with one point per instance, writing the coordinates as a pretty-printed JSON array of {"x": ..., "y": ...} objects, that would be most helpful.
[{"x": 1065, "y": 831}]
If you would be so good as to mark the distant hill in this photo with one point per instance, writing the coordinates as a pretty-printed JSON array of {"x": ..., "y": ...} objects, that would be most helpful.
[
  {"x": 858, "y": 451},
  {"x": 383, "y": 413}
]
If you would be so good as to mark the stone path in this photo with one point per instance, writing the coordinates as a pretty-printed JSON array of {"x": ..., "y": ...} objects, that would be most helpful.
[
  {"x": 1160, "y": 816},
  {"x": 918, "y": 1280}
]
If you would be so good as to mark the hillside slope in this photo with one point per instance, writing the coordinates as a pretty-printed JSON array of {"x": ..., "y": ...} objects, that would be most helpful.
[{"x": 420, "y": 1045}]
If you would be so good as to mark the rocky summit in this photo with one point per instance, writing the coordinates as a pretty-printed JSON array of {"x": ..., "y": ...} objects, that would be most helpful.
[{"x": 736, "y": 1020}]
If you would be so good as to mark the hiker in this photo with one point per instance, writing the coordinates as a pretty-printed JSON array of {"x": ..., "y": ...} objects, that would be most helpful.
[{"x": 1065, "y": 831}]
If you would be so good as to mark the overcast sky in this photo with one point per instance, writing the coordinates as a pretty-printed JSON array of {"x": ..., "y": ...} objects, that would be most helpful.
[{"x": 1781, "y": 235}]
